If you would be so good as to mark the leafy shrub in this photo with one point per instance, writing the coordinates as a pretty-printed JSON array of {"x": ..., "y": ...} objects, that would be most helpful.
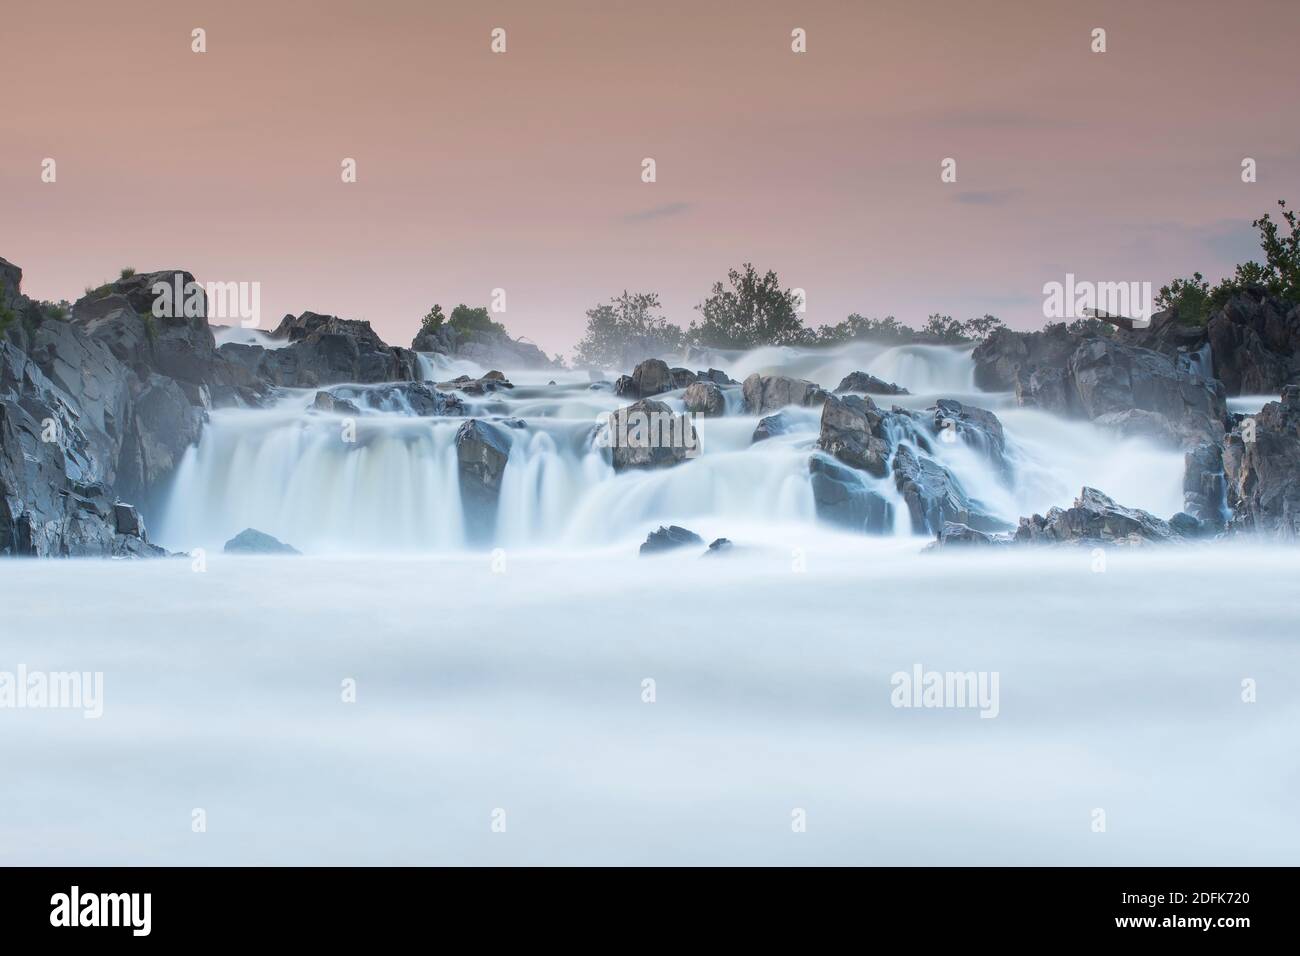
[
  {"x": 1194, "y": 300},
  {"x": 754, "y": 310},
  {"x": 625, "y": 330}
]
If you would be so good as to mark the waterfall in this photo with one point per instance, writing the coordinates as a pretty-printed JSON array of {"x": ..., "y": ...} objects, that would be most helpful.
[{"x": 392, "y": 483}]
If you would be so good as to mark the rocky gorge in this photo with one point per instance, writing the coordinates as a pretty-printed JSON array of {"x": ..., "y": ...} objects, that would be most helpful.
[{"x": 115, "y": 421}]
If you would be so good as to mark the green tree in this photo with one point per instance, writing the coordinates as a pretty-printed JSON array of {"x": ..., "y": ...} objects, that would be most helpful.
[
  {"x": 1087, "y": 326},
  {"x": 979, "y": 329},
  {"x": 433, "y": 319},
  {"x": 943, "y": 328},
  {"x": 859, "y": 328},
  {"x": 625, "y": 330},
  {"x": 466, "y": 321},
  {"x": 754, "y": 311},
  {"x": 1280, "y": 273},
  {"x": 1194, "y": 301}
]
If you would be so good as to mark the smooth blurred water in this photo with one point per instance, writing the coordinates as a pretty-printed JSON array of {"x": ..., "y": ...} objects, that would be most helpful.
[
  {"x": 288, "y": 472},
  {"x": 522, "y": 691},
  {"x": 514, "y": 679}
]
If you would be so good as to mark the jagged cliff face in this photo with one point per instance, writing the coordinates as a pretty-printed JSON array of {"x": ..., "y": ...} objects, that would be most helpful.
[
  {"x": 98, "y": 407},
  {"x": 489, "y": 349}
]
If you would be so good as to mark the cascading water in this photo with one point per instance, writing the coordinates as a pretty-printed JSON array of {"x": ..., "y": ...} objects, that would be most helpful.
[{"x": 392, "y": 483}]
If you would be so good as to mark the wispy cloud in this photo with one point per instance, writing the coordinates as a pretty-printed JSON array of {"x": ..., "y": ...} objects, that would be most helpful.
[
  {"x": 986, "y": 197},
  {"x": 985, "y": 119},
  {"x": 658, "y": 212}
]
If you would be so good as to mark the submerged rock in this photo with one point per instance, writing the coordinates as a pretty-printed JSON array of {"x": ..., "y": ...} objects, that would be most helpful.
[
  {"x": 1095, "y": 518},
  {"x": 852, "y": 430},
  {"x": 482, "y": 450},
  {"x": 716, "y": 376},
  {"x": 668, "y": 539},
  {"x": 934, "y": 496},
  {"x": 252, "y": 541},
  {"x": 1261, "y": 464},
  {"x": 1007, "y": 355},
  {"x": 648, "y": 434},
  {"x": 842, "y": 498},
  {"x": 767, "y": 393},
  {"x": 652, "y": 377},
  {"x": 1106, "y": 379},
  {"x": 977, "y": 427},
  {"x": 1255, "y": 343},
  {"x": 719, "y": 546},
  {"x": 486, "y": 347},
  {"x": 412, "y": 398},
  {"x": 778, "y": 424},
  {"x": 327, "y": 402},
  {"x": 706, "y": 399},
  {"x": 1112, "y": 378},
  {"x": 868, "y": 384},
  {"x": 490, "y": 382},
  {"x": 326, "y": 350},
  {"x": 955, "y": 534},
  {"x": 1205, "y": 490}
]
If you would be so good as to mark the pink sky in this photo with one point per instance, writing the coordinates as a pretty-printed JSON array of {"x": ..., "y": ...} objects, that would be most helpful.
[{"x": 522, "y": 170}]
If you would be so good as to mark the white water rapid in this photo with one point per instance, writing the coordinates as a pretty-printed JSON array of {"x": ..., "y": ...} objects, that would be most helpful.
[
  {"x": 613, "y": 709},
  {"x": 288, "y": 472}
]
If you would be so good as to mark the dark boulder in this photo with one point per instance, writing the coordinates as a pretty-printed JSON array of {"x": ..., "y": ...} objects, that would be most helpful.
[
  {"x": 1006, "y": 354},
  {"x": 706, "y": 399},
  {"x": 482, "y": 450},
  {"x": 669, "y": 539},
  {"x": 648, "y": 434},
  {"x": 852, "y": 430},
  {"x": 1205, "y": 490},
  {"x": 177, "y": 342},
  {"x": 252, "y": 541},
  {"x": 334, "y": 405},
  {"x": 1049, "y": 388},
  {"x": 716, "y": 376},
  {"x": 164, "y": 423},
  {"x": 768, "y": 393},
  {"x": 956, "y": 535},
  {"x": 490, "y": 382},
  {"x": 327, "y": 350},
  {"x": 1113, "y": 378},
  {"x": 869, "y": 385},
  {"x": 977, "y": 427},
  {"x": 842, "y": 498},
  {"x": 1106, "y": 379},
  {"x": 488, "y": 347},
  {"x": 652, "y": 377},
  {"x": 54, "y": 476},
  {"x": 1261, "y": 464},
  {"x": 935, "y": 496},
  {"x": 1255, "y": 343},
  {"x": 1095, "y": 519},
  {"x": 778, "y": 424}
]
